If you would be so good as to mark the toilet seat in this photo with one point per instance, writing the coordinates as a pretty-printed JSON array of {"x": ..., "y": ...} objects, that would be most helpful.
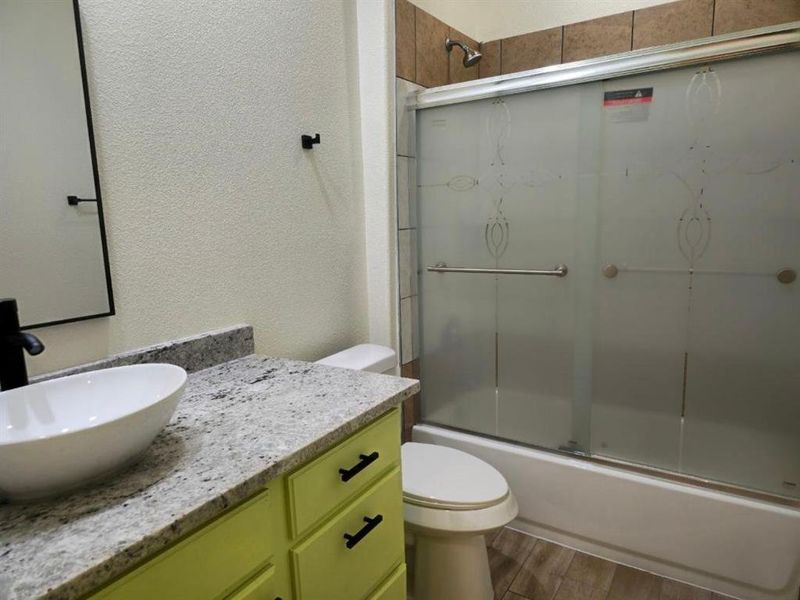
[
  {"x": 447, "y": 491},
  {"x": 445, "y": 478}
]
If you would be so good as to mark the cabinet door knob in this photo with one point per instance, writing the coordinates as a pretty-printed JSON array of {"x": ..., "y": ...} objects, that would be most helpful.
[
  {"x": 366, "y": 460},
  {"x": 371, "y": 524}
]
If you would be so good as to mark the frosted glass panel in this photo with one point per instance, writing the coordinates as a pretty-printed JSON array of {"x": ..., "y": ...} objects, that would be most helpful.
[
  {"x": 671, "y": 342},
  {"x": 743, "y": 369},
  {"x": 457, "y": 313}
]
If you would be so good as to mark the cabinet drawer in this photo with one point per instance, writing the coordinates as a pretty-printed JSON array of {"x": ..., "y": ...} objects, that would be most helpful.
[
  {"x": 324, "y": 565},
  {"x": 340, "y": 474},
  {"x": 208, "y": 564},
  {"x": 394, "y": 588},
  {"x": 261, "y": 587}
]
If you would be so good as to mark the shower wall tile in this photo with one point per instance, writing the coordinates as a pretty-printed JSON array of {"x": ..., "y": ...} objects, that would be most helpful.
[
  {"x": 407, "y": 253},
  {"x": 414, "y": 327},
  {"x": 406, "y": 192},
  {"x": 738, "y": 15},
  {"x": 406, "y": 119},
  {"x": 432, "y": 57},
  {"x": 531, "y": 50},
  {"x": 458, "y": 72},
  {"x": 412, "y": 410},
  {"x": 598, "y": 37},
  {"x": 405, "y": 38},
  {"x": 409, "y": 317},
  {"x": 490, "y": 63},
  {"x": 674, "y": 22},
  {"x": 409, "y": 332}
]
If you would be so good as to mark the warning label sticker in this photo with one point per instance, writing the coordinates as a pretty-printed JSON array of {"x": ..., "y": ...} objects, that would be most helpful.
[
  {"x": 623, "y": 97},
  {"x": 625, "y": 106}
]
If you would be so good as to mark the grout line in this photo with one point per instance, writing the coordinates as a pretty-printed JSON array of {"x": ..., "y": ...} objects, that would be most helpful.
[
  {"x": 563, "y": 37},
  {"x": 501, "y": 57},
  {"x": 713, "y": 24},
  {"x": 415, "y": 42},
  {"x": 633, "y": 22}
]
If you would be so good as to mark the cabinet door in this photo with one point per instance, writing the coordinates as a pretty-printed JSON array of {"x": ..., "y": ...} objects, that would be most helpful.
[
  {"x": 349, "y": 556},
  {"x": 339, "y": 475},
  {"x": 208, "y": 564},
  {"x": 261, "y": 587},
  {"x": 394, "y": 588}
]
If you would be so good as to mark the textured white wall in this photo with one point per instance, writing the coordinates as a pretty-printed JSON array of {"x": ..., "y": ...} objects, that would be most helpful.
[
  {"x": 486, "y": 20},
  {"x": 376, "y": 83},
  {"x": 214, "y": 212}
]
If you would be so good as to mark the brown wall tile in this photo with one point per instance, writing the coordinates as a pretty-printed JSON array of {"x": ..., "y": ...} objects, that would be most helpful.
[
  {"x": 598, "y": 37},
  {"x": 458, "y": 72},
  {"x": 432, "y": 58},
  {"x": 406, "y": 54},
  {"x": 490, "y": 63},
  {"x": 412, "y": 408},
  {"x": 674, "y": 22},
  {"x": 738, "y": 15},
  {"x": 531, "y": 50}
]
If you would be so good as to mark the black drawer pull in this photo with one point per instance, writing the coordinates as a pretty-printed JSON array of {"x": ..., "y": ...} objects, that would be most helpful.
[
  {"x": 366, "y": 460},
  {"x": 371, "y": 524}
]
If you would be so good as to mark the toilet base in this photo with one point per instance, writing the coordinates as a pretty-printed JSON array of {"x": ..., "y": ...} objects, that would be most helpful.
[{"x": 451, "y": 567}]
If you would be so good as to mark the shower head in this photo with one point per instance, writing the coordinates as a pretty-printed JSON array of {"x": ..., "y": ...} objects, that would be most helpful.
[{"x": 471, "y": 57}]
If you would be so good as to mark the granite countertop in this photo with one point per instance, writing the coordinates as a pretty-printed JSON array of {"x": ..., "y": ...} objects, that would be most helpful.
[{"x": 238, "y": 425}]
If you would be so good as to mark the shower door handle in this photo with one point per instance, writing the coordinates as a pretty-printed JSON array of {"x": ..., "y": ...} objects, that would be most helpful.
[{"x": 557, "y": 271}]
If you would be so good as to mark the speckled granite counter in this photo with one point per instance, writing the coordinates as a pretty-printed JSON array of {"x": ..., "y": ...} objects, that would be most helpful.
[{"x": 238, "y": 425}]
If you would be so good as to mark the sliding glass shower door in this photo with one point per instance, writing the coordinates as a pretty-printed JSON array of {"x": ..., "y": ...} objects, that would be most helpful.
[{"x": 673, "y": 200}]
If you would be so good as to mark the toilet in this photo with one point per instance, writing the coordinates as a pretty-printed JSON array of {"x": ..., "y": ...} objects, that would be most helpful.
[{"x": 450, "y": 500}]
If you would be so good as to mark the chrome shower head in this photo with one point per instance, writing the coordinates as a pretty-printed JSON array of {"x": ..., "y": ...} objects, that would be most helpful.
[{"x": 471, "y": 57}]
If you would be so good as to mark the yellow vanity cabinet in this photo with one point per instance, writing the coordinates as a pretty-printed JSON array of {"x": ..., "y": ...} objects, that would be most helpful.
[
  {"x": 209, "y": 563},
  {"x": 331, "y": 530},
  {"x": 349, "y": 555},
  {"x": 327, "y": 483}
]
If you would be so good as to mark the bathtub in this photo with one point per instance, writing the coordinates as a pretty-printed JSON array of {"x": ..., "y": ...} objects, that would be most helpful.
[{"x": 743, "y": 547}]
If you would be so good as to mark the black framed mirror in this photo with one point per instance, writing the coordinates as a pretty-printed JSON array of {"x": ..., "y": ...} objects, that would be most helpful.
[{"x": 53, "y": 247}]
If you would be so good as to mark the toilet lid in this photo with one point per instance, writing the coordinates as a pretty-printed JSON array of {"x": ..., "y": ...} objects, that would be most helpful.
[{"x": 449, "y": 478}]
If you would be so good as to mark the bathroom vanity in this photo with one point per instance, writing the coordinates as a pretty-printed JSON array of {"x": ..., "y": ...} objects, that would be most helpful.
[{"x": 275, "y": 479}]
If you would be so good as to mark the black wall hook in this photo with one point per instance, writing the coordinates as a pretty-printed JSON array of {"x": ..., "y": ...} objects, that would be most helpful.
[
  {"x": 74, "y": 200},
  {"x": 308, "y": 141}
]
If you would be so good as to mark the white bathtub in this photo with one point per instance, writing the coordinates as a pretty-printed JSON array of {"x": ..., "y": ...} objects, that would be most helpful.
[{"x": 746, "y": 548}]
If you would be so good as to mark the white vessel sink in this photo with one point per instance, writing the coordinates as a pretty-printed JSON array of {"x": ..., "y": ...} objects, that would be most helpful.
[{"x": 60, "y": 434}]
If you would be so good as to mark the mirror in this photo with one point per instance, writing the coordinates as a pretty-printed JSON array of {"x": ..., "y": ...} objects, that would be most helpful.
[{"x": 53, "y": 255}]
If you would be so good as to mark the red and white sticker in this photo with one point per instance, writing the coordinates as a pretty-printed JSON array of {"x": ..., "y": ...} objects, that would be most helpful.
[{"x": 628, "y": 97}]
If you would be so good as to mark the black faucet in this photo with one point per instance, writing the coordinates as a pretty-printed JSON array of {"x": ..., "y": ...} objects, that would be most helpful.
[{"x": 13, "y": 373}]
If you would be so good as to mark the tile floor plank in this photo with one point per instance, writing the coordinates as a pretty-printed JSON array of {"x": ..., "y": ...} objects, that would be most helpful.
[
  {"x": 575, "y": 590},
  {"x": 490, "y": 537},
  {"x": 507, "y": 553},
  {"x": 592, "y": 571},
  {"x": 675, "y": 590},
  {"x": 633, "y": 584},
  {"x": 542, "y": 572},
  {"x": 513, "y": 596}
]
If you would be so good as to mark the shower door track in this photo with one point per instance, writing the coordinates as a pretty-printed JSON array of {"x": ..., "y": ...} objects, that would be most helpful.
[
  {"x": 693, "y": 480},
  {"x": 703, "y": 51}
]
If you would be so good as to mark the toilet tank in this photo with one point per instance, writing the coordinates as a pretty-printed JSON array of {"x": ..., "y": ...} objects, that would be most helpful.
[{"x": 364, "y": 357}]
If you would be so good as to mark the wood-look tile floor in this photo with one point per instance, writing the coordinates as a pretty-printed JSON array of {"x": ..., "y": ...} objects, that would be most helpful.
[{"x": 527, "y": 568}]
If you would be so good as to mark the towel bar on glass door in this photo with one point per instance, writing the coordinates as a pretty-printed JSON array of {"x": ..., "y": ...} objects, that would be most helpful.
[
  {"x": 785, "y": 276},
  {"x": 557, "y": 271}
]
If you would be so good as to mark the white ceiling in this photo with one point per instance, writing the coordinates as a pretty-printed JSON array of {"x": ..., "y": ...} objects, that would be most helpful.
[{"x": 486, "y": 20}]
